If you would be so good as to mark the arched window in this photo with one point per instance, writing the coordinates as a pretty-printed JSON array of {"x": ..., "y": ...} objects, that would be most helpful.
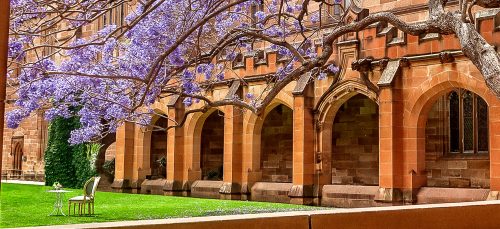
[
  {"x": 114, "y": 16},
  {"x": 254, "y": 8},
  {"x": 468, "y": 123}
]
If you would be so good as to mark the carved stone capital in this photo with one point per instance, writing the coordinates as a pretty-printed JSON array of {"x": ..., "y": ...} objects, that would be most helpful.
[
  {"x": 362, "y": 65},
  {"x": 383, "y": 63},
  {"x": 319, "y": 125},
  {"x": 404, "y": 62},
  {"x": 446, "y": 57}
]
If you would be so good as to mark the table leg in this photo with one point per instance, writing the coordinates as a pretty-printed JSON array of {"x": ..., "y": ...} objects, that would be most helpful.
[{"x": 58, "y": 205}]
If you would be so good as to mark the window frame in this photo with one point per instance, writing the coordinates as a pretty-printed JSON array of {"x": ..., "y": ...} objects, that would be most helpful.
[
  {"x": 254, "y": 8},
  {"x": 462, "y": 152}
]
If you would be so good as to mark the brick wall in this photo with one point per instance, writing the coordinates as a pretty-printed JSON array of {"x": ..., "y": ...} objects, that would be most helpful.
[
  {"x": 277, "y": 133},
  {"x": 212, "y": 147},
  {"x": 444, "y": 169},
  {"x": 355, "y": 143}
]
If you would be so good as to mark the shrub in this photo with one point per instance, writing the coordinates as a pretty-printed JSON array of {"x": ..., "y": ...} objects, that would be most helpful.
[{"x": 65, "y": 163}]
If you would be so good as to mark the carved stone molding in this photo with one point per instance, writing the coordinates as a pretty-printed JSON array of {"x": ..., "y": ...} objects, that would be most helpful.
[
  {"x": 446, "y": 57},
  {"x": 362, "y": 65}
]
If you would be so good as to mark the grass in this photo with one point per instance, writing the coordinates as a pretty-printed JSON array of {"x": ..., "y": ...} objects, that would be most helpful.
[{"x": 29, "y": 205}]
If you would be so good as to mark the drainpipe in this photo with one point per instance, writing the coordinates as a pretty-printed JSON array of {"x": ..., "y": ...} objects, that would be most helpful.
[{"x": 4, "y": 40}]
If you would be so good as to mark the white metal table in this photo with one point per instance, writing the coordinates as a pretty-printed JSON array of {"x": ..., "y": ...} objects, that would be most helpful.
[{"x": 59, "y": 201}]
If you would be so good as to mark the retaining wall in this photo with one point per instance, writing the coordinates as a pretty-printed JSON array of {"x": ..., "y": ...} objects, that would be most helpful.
[{"x": 476, "y": 215}]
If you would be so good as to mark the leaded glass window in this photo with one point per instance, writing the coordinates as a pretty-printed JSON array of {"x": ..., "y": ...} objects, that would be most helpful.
[
  {"x": 454, "y": 122},
  {"x": 468, "y": 122}
]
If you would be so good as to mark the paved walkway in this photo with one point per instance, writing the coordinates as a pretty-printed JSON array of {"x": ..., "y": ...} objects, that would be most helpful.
[{"x": 23, "y": 182}]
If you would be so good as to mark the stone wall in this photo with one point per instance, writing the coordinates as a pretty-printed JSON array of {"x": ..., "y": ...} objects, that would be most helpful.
[
  {"x": 277, "y": 134},
  {"x": 212, "y": 147},
  {"x": 158, "y": 150},
  {"x": 33, "y": 133},
  {"x": 355, "y": 143},
  {"x": 445, "y": 169}
]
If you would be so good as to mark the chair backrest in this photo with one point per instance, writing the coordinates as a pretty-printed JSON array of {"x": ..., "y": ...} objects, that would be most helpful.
[{"x": 90, "y": 186}]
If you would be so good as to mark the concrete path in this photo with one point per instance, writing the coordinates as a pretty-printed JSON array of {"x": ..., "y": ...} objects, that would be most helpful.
[{"x": 23, "y": 182}]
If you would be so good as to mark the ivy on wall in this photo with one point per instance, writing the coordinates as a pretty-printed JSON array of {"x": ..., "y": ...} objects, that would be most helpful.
[{"x": 65, "y": 163}]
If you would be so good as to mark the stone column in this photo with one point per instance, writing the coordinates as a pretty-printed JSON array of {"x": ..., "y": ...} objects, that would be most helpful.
[
  {"x": 233, "y": 147},
  {"x": 175, "y": 184},
  {"x": 142, "y": 153},
  {"x": 494, "y": 148},
  {"x": 390, "y": 158},
  {"x": 303, "y": 190},
  {"x": 124, "y": 159},
  {"x": 251, "y": 153},
  {"x": 4, "y": 47}
]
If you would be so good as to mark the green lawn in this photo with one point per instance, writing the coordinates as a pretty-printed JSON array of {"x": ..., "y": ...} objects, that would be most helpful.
[{"x": 29, "y": 205}]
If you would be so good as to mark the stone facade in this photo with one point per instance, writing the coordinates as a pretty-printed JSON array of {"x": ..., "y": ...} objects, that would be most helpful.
[{"x": 377, "y": 134}]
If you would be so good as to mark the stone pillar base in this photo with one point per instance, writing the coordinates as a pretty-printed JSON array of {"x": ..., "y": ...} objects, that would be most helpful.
[
  {"x": 304, "y": 194},
  {"x": 232, "y": 196},
  {"x": 245, "y": 191},
  {"x": 121, "y": 186},
  {"x": 410, "y": 195},
  {"x": 493, "y": 195},
  {"x": 230, "y": 191},
  {"x": 397, "y": 196},
  {"x": 389, "y": 195},
  {"x": 136, "y": 186},
  {"x": 175, "y": 188}
]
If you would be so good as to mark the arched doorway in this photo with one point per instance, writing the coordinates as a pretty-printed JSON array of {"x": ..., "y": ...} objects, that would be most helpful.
[
  {"x": 158, "y": 150},
  {"x": 456, "y": 141},
  {"x": 17, "y": 155},
  {"x": 355, "y": 143},
  {"x": 276, "y": 161},
  {"x": 105, "y": 163},
  {"x": 212, "y": 147}
]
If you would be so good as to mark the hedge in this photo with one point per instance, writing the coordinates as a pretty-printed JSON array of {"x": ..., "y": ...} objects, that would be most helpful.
[{"x": 65, "y": 163}]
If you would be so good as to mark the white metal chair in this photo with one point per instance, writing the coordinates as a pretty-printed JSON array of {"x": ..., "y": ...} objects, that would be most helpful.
[{"x": 87, "y": 200}]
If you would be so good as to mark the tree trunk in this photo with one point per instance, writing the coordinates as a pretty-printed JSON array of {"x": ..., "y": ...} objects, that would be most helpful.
[{"x": 480, "y": 53}]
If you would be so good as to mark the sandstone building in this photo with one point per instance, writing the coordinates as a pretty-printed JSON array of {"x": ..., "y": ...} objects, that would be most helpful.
[{"x": 409, "y": 120}]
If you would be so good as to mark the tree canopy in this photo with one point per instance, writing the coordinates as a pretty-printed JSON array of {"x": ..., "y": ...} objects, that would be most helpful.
[{"x": 166, "y": 48}]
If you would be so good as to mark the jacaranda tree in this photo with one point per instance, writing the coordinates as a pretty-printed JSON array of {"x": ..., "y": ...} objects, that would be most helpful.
[{"x": 168, "y": 48}]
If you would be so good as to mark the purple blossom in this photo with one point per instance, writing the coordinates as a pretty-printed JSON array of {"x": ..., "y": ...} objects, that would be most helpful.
[
  {"x": 250, "y": 96},
  {"x": 333, "y": 69},
  {"x": 322, "y": 76},
  {"x": 260, "y": 15},
  {"x": 105, "y": 103},
  {"x": 15, "y": 50}
]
